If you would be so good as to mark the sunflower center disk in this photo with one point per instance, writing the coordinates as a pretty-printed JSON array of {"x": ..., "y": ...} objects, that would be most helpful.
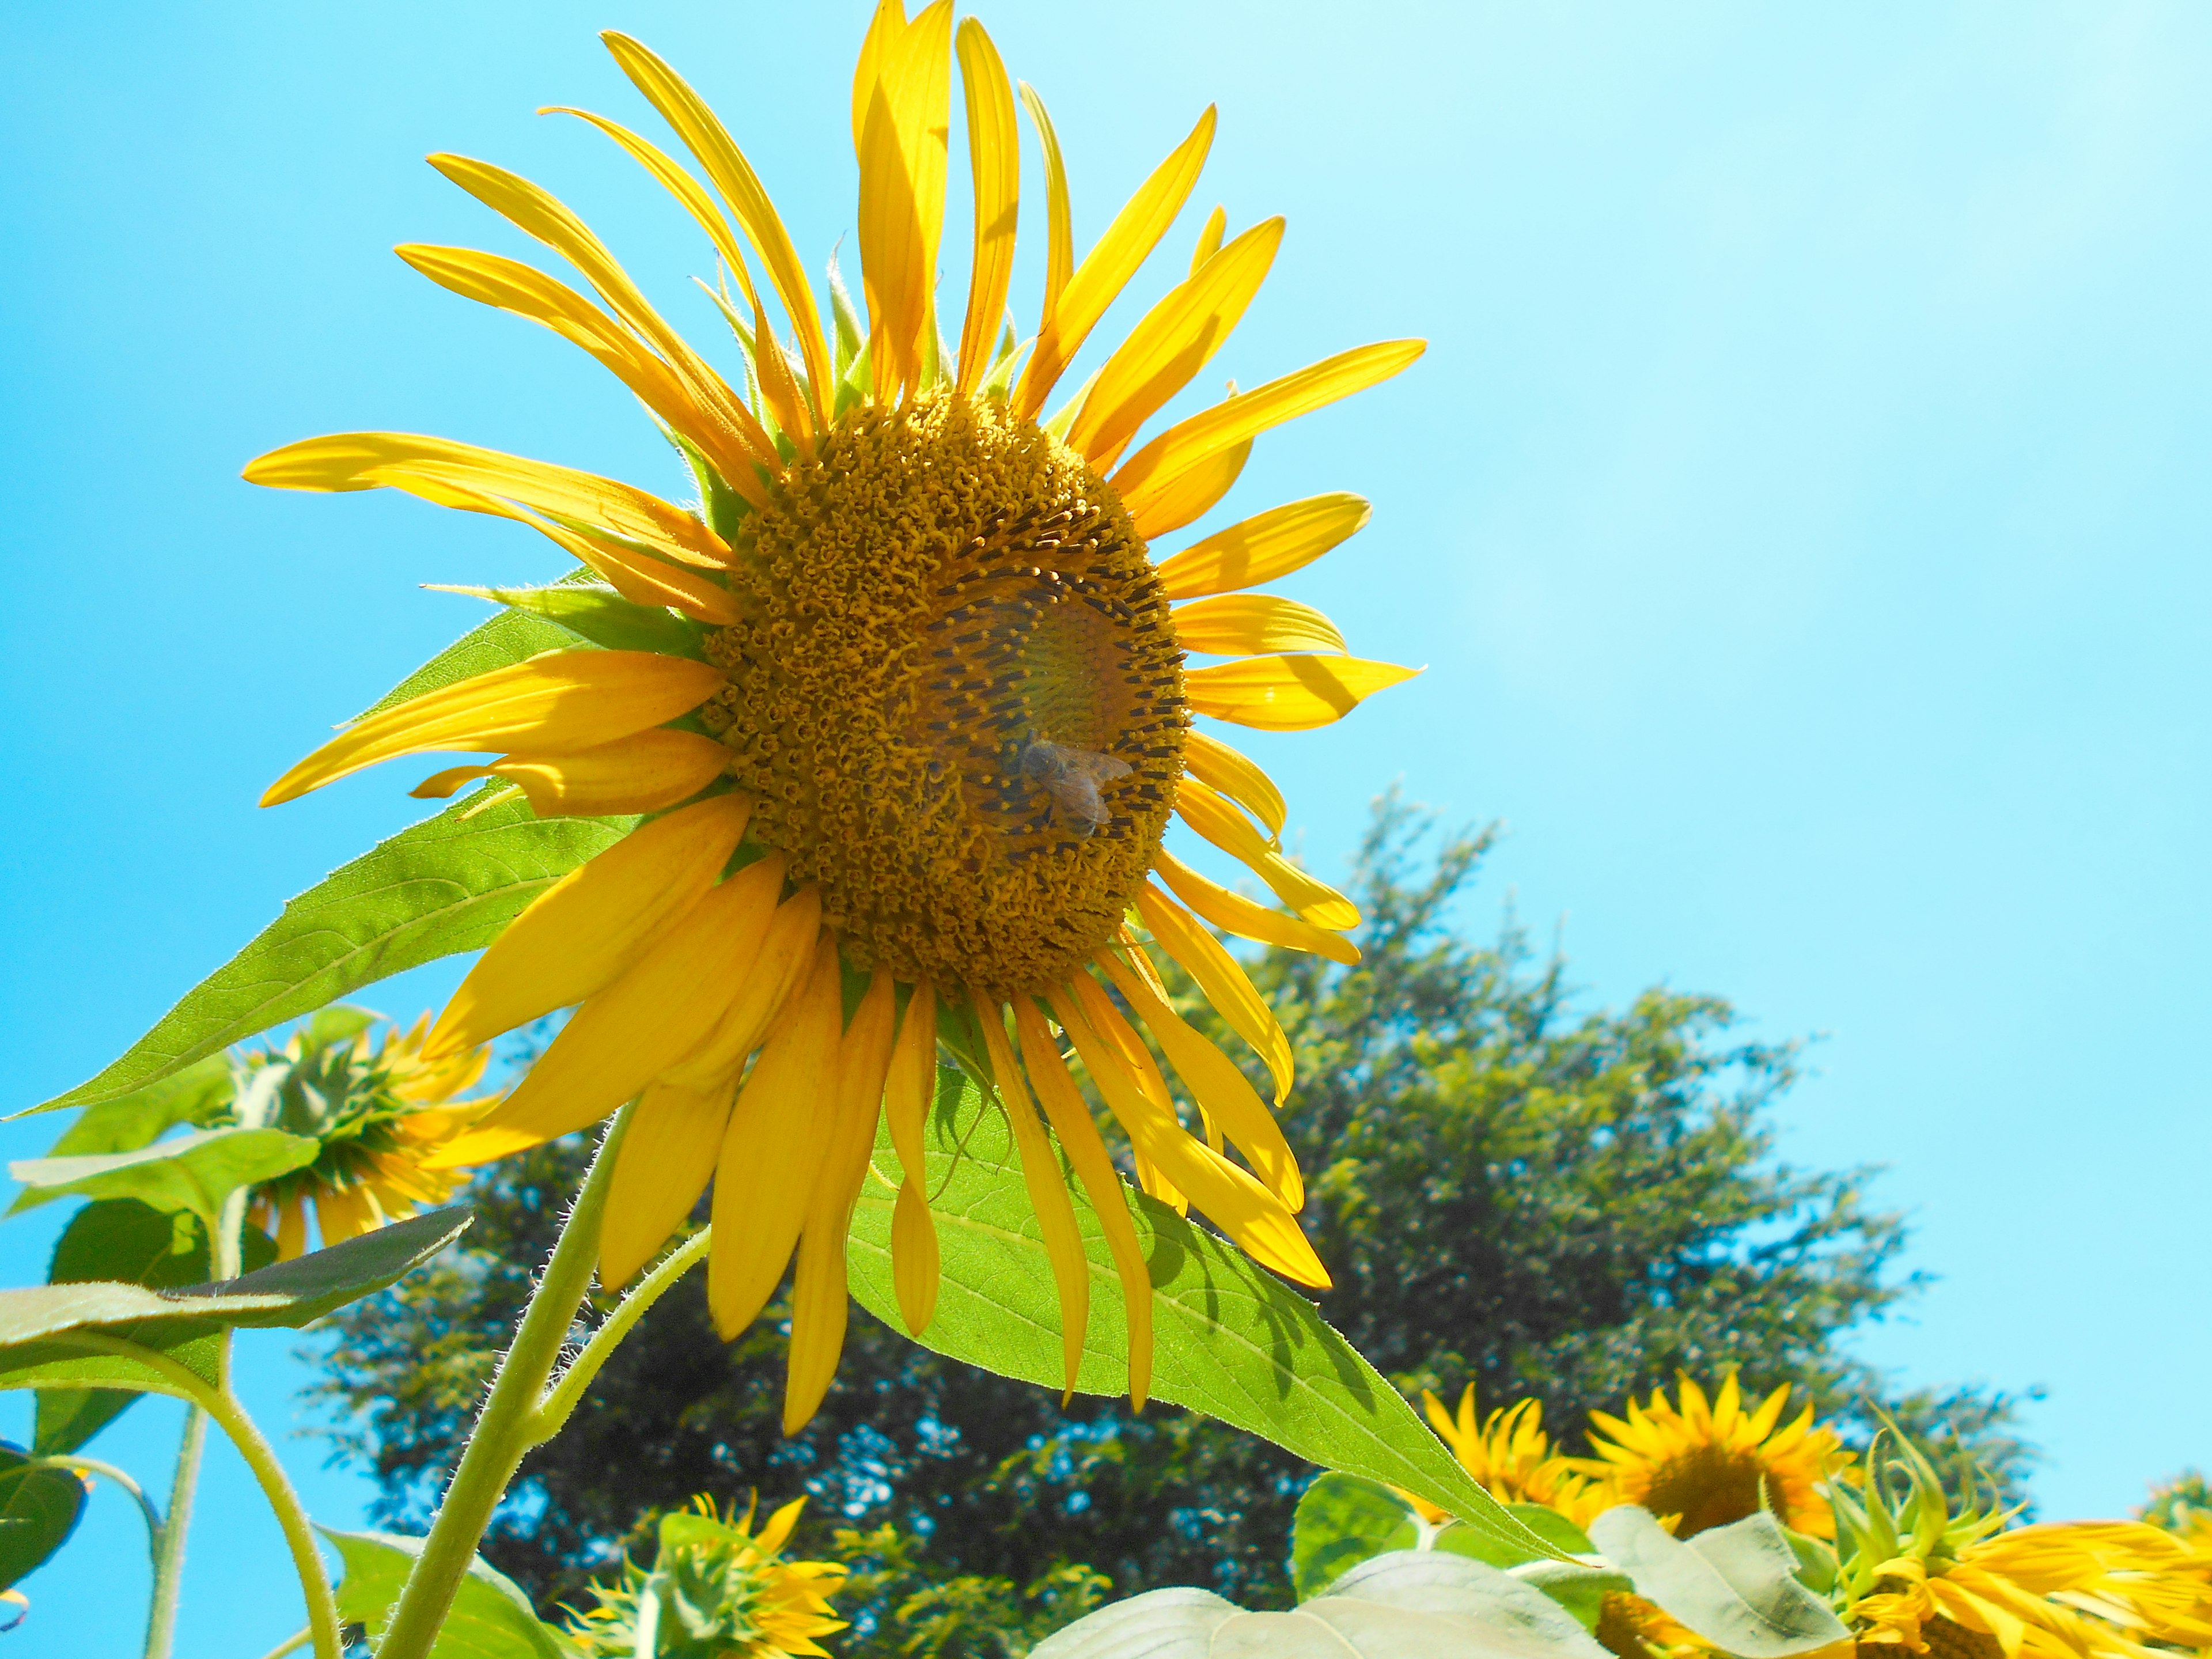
[{"x": 957, "y": 695}]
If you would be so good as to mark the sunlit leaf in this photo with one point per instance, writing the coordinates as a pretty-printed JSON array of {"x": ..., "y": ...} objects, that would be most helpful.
[
  {"x": 491, "y": 1618},
  {"x": 38, "y": 1509},
  {"x": 194, "y": 1172},
  {"x": 1341, "y": 1521},
  {"x": 511, "y": 637},
  {"x": 1736, "y": 1586},
  {"x": 600, "y": 615}
]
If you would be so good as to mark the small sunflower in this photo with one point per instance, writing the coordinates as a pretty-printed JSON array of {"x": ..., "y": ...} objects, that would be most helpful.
[
  {"x": 910, "y": 718},
  {"x": 383, "y": 1112},
  {"x": 716, "y": 1590},
  {"x": 1510, "y": 1456},
  {"x": 1706, "y": 1463}
]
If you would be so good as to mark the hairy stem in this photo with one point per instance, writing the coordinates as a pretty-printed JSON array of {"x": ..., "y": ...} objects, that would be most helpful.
[
  {"x": 506, "y": 1428},
  {"x": 554, "y": 1410}
]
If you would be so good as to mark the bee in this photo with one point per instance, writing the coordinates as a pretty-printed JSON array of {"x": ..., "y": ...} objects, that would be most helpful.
[{"x": 1072, "y": 776}]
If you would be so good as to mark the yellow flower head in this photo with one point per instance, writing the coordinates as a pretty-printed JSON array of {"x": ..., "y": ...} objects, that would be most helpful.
[
  {"x": 383, "y": 1113},
  {"x": 1509, "y": 1453},
  {"x": 906, "y": 705},
  {"x": 1706, "y": 1461},
  {"x": 716, "y": 1590}
]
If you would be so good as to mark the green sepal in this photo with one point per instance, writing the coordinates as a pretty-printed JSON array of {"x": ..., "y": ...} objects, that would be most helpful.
[
  {"x": 490, "y": 1619},
  {"x": 195, "y": 1171},
  {"x": 445, "y": 885},
  {"x": 40, "y": 1508},
  {"x": 1229, "y": 1340},
  {"x": 602, "y": 615}
]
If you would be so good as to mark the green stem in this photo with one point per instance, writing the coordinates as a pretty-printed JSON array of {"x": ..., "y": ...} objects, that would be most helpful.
[
  {"x": 505, "y": 1429},
  {"x": 289, "y": 1644},
  {"x": 109, "y": 1472},
  {"x": 554, "y": 1410}
]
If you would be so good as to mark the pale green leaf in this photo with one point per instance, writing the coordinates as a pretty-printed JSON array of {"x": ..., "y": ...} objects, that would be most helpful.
[
  {"x": 602, "y": 615},
  {"x": 491, "y": 1618},
  {"x": 194, "y": 1172},
  {"x": 445, "y": 885},
  {"x": 1736, "y": 1586},
  {"x": 1341, "y": 1521},
  {"x": 1229, "y": 1340}
]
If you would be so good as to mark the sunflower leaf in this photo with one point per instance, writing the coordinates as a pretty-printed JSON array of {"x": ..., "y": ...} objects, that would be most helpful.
[
  {"x": 194, "y": 1172},
  {"x": 1736, "y": 1586},
  {"x": 39, "y": 1506},
  {"x": 596, "y": 612},
  {"x": 194, "y": 1095},
  {"x": 511, "y": 637},
  {"x": 491, "y": 1618},
  {"x": 1341, "y": 1521},
  {"x": 1229, "y": 1340},
  {"x": 446, "y": 885}
]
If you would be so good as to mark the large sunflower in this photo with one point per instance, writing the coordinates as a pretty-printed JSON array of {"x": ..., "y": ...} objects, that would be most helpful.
[
  {"x": 908, "y": 697},
  {"x": 1706, "y": 1463}
]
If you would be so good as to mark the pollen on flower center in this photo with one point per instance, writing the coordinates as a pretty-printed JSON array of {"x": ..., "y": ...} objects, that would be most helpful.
[
  {"x": 956, "y": 695},
  {"x": 1706, "y": 1486}
]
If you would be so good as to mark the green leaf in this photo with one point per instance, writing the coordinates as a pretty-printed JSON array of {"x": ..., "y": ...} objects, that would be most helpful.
[
  {"x": 124, "y": 1240},
  {"x": 511, "y": 637},
  {"x": 1229, "y": 1340},
  {"x": 339, "y": 1023},
  {"x": 192, "y": 1096},
  {"x": 1581, "y": 1591},
  {"x": 1548, "y": 1524},
  {"x": 446, "y": 885},
  {"x": 40, "y": 1508},
  {"x": 1341, "y": 1521},
  {"x": 296, "y": 1293},
  {"x": 602, "y": 615},
  {"x": 1407, "y": 1605},
  {"x": 491, "y": 1618},
  {"x": 194, "y": 1172},
  {"x": 1736, "y": 1586}
]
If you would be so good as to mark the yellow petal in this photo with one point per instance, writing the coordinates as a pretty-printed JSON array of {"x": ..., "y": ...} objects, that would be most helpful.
[
  {"x": 1215, "y": 1084},
  {"x": 1210, "y": 432},
  {"x": 1059, "y": 255},
  {"x": 733, "y": 176},
  {"x": 1209, "y": 238},
  {"x": 292, "y": 1231},
  {"x": 1069, "y": 1117},
  {"x": 583, "y": 931},
  {"x": 912, "y": 1086},
  {"x": 1227, "y": 1194},
  {"x": 1194, "y": 494},
  {"x": 774, "y": 1147},
  {"x": 817, "y": 1291},
  {"x": 1288, "y": 693},
  {"x": 1176, "y": 339},
  {"x": 1041, "y": 1173},
  {"x": 995, "y": 157},
  {"x": 904, "y": 123},
  {"x": 1237, "y": 914},
  {"x": 624, "y": 1037},
  {"x": 1222, "y": 979},
  {"x": 666, "y": 1159},
  {"x": 425, "y": 466},
  {"x": 724, "y": 430},
  {"x": 564, "y": 700},
  {"x": 340, "y": 1215},
  {"x": 1106, "y": 269},
  {"x": 1264, "y": 546},
  {"x": 642, "y": 772},
  {"x": 1226, "y": 828},
  {"x": 1214, "y": 764},
  {"x": 1245, "y": 624},
  {"x": 786, "y": 954}
]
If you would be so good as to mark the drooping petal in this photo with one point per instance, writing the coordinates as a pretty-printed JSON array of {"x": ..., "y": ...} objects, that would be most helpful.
[
  {"x": 1041, "y": 1173},
  {"x": 1214, "y": 1082},
  {"x": 1237, "y": 914},
  {"x": 1214, "y": 764},
  {"x": 1264, "y": 546},
  {"x": 667, "y": 1157},
  {"x": 585, "y": 929},
  {"x": 787, "y": 953},
  {"x": 1246, "y": 624},
  {"x": 1250, "y": 413},
  {"x": 642, "y": 772},
  {"x": 1175, "y": 339},
  {"x": 1059, "y": 246},
  {"x": 426, "y": 466},
  {"x": 1254, "y": 1218},
  {"x": 563, "y": 701},
  {"x": 819, "y": 1295},
  {"x": 624, "y": 1038},
  {"x": 1222, "y": 979},
  {"x": 710, "y": 144},
  {"x": 995, "y": 158},
  {"x": 1289, "y": 693},
  {"x": 907, "y": 1096},
  {"x": 903, "y": 116},
  {"x": 774, "y": 1149},
  {"x": 1106, "y": 269},
  {"x": 1228, "y": 829},
  {"x": 1069, "y": 1117},
  {"x": 1193, "y": 494}
]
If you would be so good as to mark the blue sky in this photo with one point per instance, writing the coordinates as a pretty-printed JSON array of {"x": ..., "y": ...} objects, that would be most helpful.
[{"x": 1801, "y": 511}]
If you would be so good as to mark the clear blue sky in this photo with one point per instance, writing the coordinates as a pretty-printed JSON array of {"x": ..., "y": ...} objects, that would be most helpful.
[{"x": 1802, "y": 509}]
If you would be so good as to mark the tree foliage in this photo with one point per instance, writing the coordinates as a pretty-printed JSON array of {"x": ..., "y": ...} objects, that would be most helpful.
[{"x": 1510, "y": 1191}]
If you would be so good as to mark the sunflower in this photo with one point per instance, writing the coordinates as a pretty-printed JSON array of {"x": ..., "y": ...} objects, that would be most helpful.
[
  {"x": 716, "y": 1590},
  {"x": 1509, "y": 1453},
  {"x": 904, "y": 705},
  {"x": 383, "y": 1111},
  {"x": 1707, "y": 1463}
]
